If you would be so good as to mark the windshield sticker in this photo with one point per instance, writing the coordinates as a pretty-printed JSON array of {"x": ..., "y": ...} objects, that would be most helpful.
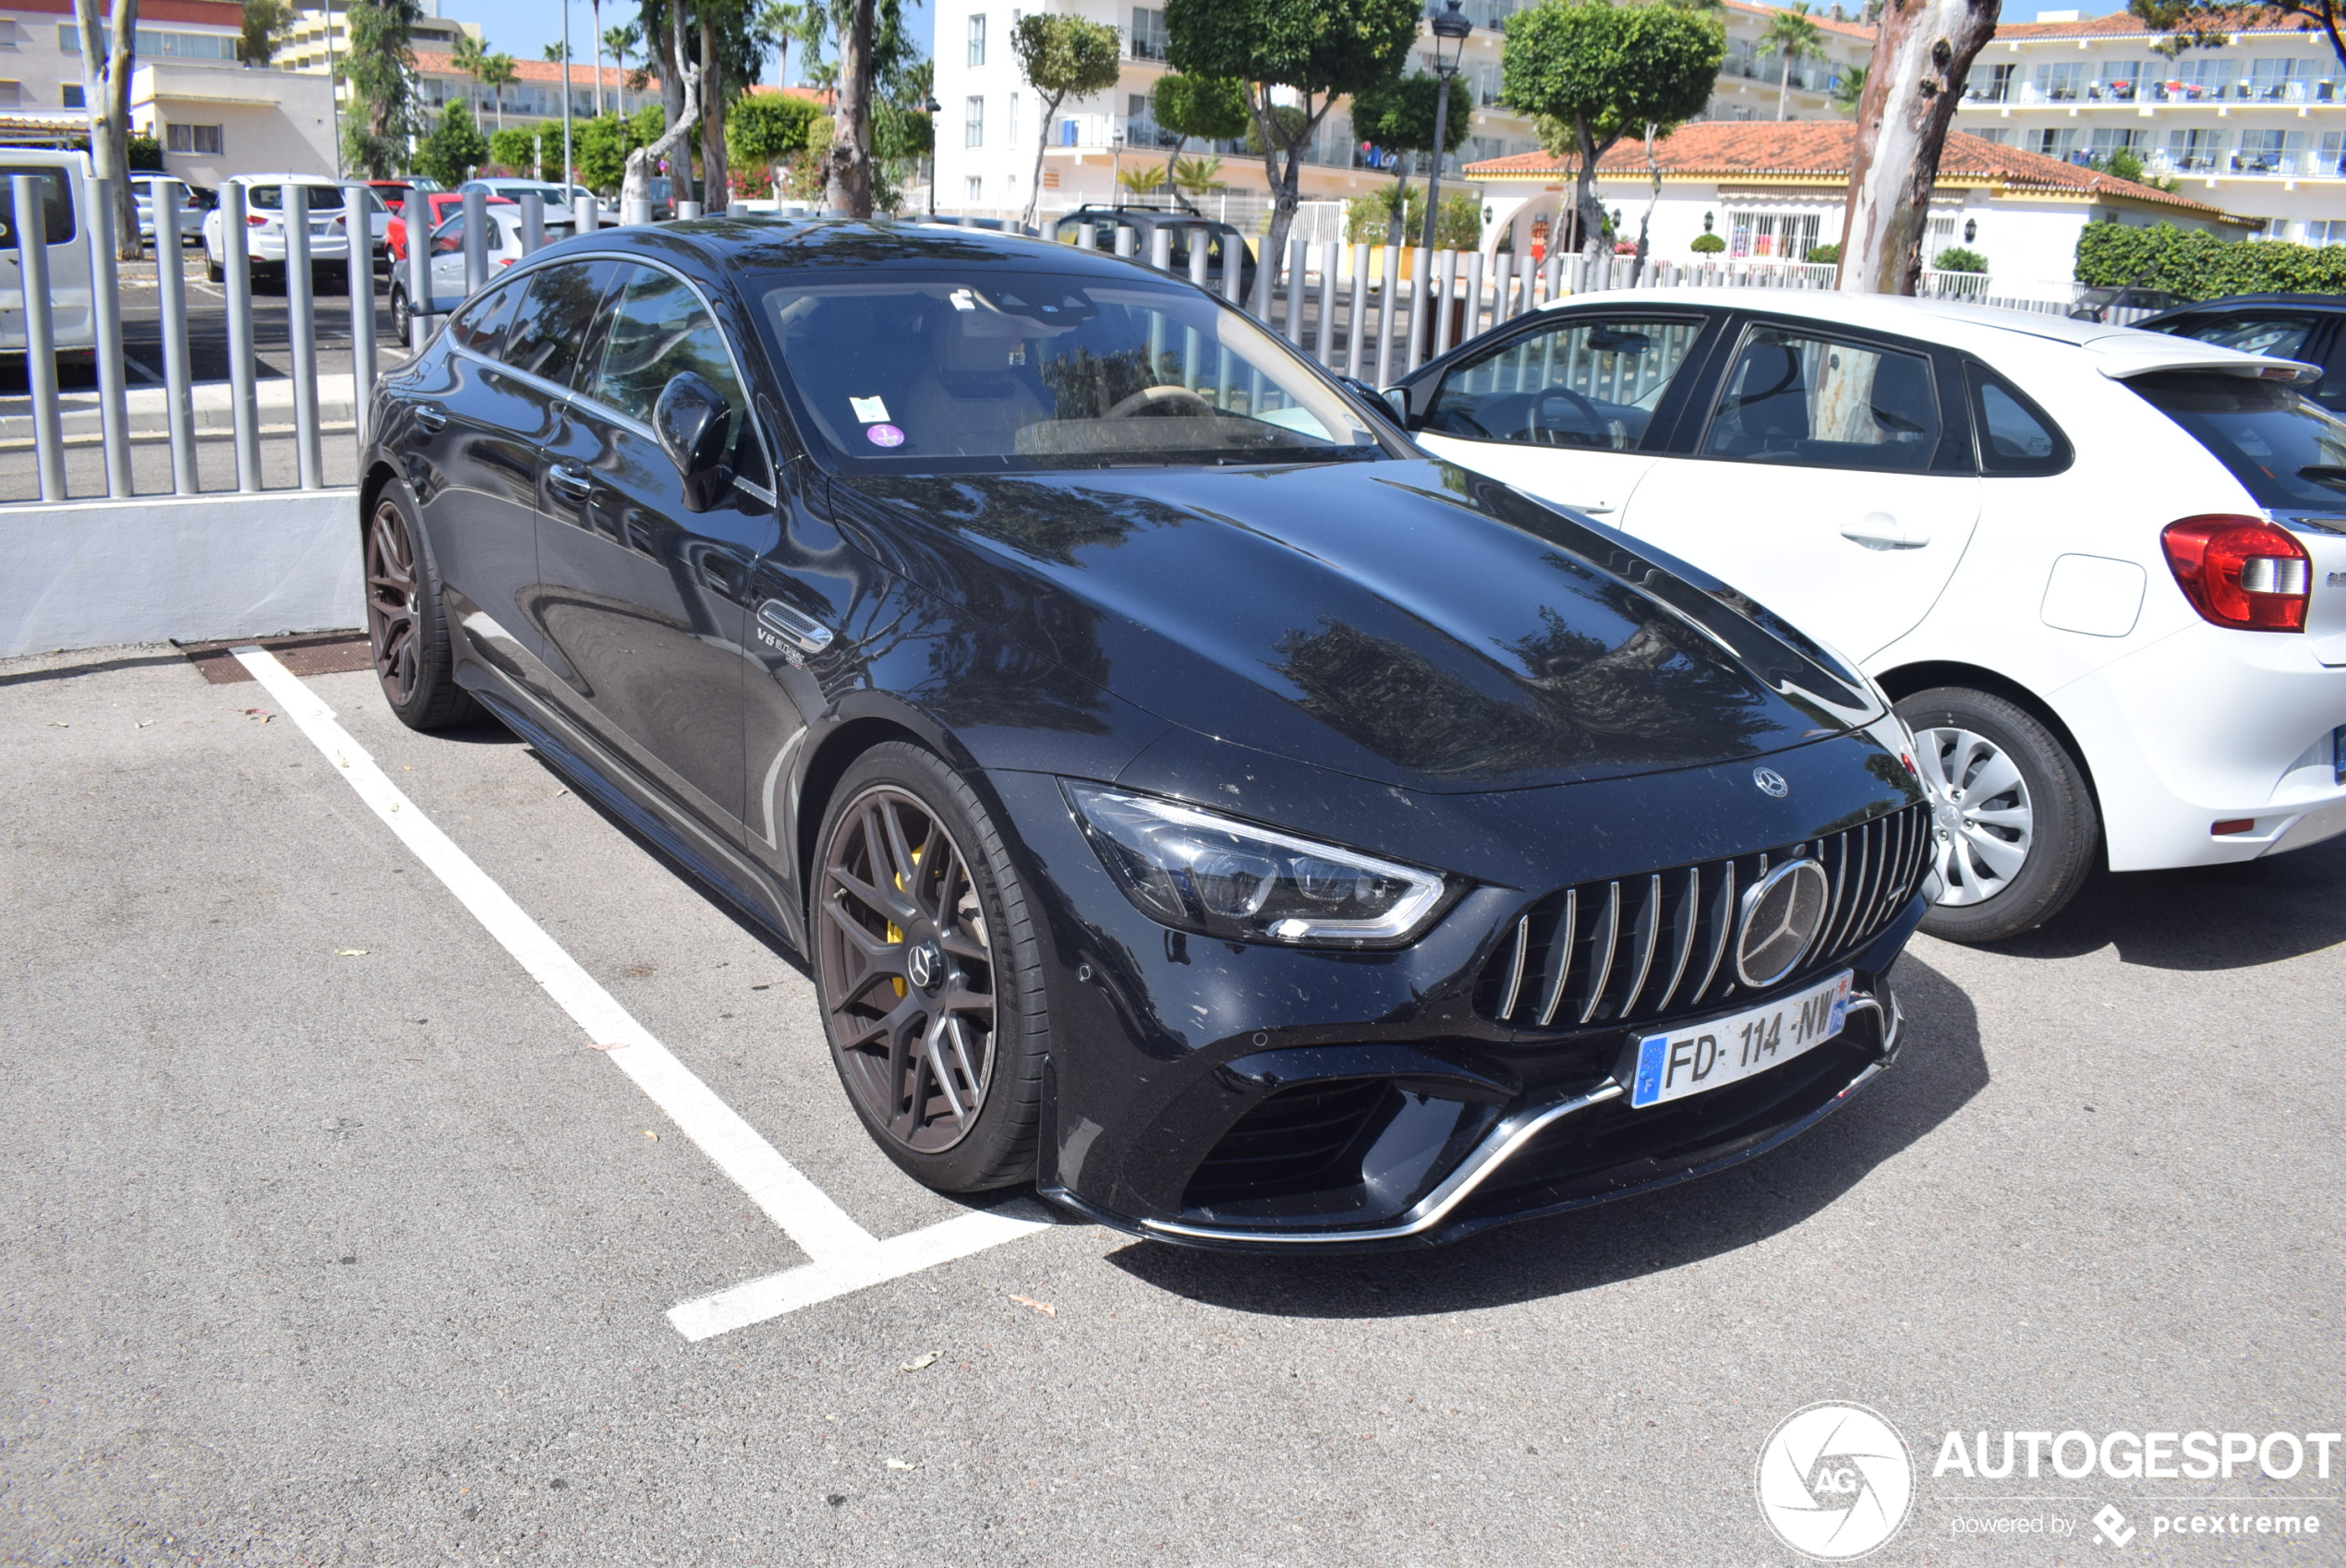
[
  {"x": 884, "y": 435},
  {"x": 869, "y": 410}
]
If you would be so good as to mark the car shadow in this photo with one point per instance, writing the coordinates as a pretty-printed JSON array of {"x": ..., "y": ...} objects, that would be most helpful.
[
  {"x": 2201, "y": 917},
  {"x": 1940, "y": 1068}
]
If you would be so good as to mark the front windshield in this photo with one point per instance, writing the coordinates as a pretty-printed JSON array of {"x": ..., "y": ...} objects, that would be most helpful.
[
  {"x": 2288, "y": 452},
  {"x": 1029, "y": 371}
]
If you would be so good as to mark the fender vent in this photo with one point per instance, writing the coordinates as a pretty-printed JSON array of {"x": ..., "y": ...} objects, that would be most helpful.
[{"x": 1303, "y": 1140}]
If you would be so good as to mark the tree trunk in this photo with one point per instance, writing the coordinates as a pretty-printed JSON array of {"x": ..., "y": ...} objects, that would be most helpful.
[
  {"x": 1920, "y": 57},
  {"x": 1783, "y": 86},
  {"x": 105, "y": 94},
  {"x": 643, "y": 161},
  {"x": 1042, "y": 144},
  {"x": 1584, "y": 193},
  {"x": 662, "y": 42},
  {"x": 1645, "y": 224},
  {"x": 716, "y": 192},
  {"x": 848, "y": 181},
  {"x": 1284, "y": 175}
]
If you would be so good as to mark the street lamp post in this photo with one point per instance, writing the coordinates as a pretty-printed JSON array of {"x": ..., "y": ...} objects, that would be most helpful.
[
  {"x": 934, "y": 109},
  {"x": 1450, "y": 29}
]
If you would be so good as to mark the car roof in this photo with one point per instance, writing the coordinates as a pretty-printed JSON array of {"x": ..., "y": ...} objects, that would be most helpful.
[
  {"x": 282, "y": 179},
  {"x": 2331, "y": 302},
  {"x": 717, "y": 250},
  {"x": 1984, "y": 330}
]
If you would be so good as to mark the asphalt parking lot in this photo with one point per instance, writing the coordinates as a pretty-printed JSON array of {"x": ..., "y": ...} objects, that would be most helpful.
[{"x": 330, "y": 1237}]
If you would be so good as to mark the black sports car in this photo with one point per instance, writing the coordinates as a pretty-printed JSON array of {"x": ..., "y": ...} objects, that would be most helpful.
[{"x": 1187, "y": 795}]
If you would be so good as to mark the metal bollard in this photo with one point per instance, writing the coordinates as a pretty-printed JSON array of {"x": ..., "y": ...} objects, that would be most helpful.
[
  {"x": 172, "y": 282},
  {"x": 1161, "y": 250},
  {"x": 1087, "y": 237},
  {"x": 31, "y": 193},
  {"x": 1355, "y": 338},
  {"x": 418, "y": 225},
  {"x": 301, "y": 331},
  {"x": 1296, "y": 254},
  {"x": 1388, "y": 306},
  {"x": 687, "y": 211},
  {"x": 1197, "y": 260},
  {"x": 636, "y": 213},
  {"x": 476, "y": 228},
  {"x": 1450, "y": 286},
  {"x": 1325, "y": 338},
  {"x": 586, "y": 215},
  {"x": 533, "y": 222},
  {"x": 1127, "y": 241},
  {"x": 357, "y": 220},
  {"x": 1422, "y": 308},
  {"x": 105, "y": 337},
  {"x": 1472, "y": 328},
  {"x": 1234, "y": 272},
  {"x": 236, "y": 263}
]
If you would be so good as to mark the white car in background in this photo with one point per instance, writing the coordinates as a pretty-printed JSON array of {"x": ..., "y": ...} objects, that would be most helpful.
[
  {"x": 502, "y": 248},
  {"x": 65, "y": 178},
  {"x": 558, "y": 199},
  {"x": 2101, "y": 572},
  {"x": 189, "y": 210},
  {"x": 265, "y": 228}
]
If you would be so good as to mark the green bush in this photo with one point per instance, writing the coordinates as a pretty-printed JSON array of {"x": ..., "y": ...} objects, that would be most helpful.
[
  {"x": 1709, "y": 245},
  {"x": 2197, "y": 265},
  {"x": 145, "y": 155},
  {"x": 1825, "y": 255},
  {"x": 1459, "y": 228},
  {"x": 1956, "y": 258},
  {"x": 455, "y": 149}
]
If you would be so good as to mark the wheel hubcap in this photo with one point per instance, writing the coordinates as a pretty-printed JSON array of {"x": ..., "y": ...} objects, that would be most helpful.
[
  {"x": 907, "y": 971},
  {"x": 1982, "y": 820},
  {"x": 390, "y": 601}
]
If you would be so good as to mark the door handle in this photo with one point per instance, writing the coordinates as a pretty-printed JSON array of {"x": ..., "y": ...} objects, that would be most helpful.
[
  {"x": 431, "y": 416},
  {"x": 572, "y": 482},
  {"x": 1879, "y": 530}
]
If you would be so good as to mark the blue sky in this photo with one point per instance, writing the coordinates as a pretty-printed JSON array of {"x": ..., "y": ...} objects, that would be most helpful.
[{"x": 523, "y": 28}]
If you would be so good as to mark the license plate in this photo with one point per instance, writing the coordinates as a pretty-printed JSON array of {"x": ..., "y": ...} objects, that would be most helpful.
[{"x": 1699, "y": 1057}]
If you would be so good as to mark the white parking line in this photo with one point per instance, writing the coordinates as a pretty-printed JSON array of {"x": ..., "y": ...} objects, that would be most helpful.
[{"x": 846, "y": 1256}]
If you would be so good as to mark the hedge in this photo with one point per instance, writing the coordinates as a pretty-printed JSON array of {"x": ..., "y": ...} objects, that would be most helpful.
[{"x": 2197, "y": 265}]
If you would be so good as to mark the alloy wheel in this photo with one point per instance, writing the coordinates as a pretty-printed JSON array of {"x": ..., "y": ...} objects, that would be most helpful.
[
  {"x": 907, "y": 971},
  {"x": 392, "y": 630},
  {"x": 1982, "y": 820}
]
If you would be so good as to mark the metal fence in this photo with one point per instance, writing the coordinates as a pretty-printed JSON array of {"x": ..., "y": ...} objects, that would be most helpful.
[{"x": 1372, "y": 312}]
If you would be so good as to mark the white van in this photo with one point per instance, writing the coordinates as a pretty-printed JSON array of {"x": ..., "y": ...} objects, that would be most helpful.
[{"x": 65, "y": 223}]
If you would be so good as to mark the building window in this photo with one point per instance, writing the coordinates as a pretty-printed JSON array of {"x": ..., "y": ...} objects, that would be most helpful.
[
  {"x": 973, "y": 122},
  {"x": 1150, "y": 41},
  {"x": 1011, "y": 128},
  {"x": 2000, "y": 137},
  {"x": 2333, "y": 153},
  {"x": 70, "y": 96},
  {"x": 974, "y": 191},
  {"x": 2325, "y": 231},
  {"x": 2053, "y": 143},
  {"x": 1785, "y": 236},
  {"x": 2107, "y": 141},
  {"x": 2061, "y": 83},
  {"x": 11, "y": 94},
  {"x": 2269, "y": 152},
  {"x": 977, "y": 41},
  {"x": 192, "y": 139},
  {"x": 154, "y": 44},
  {"x": 2192, "y": 150}
]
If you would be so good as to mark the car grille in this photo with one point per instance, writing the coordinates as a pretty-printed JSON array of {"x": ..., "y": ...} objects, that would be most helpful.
[
  {"x": 1658, "y": 946},
  {"x": 1302, "y": 1140}
]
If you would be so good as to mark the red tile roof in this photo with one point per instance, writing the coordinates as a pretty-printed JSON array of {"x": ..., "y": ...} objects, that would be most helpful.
[
  {"x": 1817, "y": 15},
  {"x": 1728, "y": 148},
  {"x": 581, "y": 75}
]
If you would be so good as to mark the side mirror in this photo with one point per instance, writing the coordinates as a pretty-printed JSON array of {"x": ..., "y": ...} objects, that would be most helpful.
[
  {"x": 1398, "y": 401},
  {"x": 696, "y": 425}
]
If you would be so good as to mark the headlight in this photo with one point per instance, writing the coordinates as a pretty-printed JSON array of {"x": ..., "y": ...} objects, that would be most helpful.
[{"x": 1201, "y": 872}]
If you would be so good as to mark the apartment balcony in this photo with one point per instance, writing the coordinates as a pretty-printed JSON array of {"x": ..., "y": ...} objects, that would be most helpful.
[
  {"x": 1810, "y": 76},
  {"x": 2295, "y": 89}
]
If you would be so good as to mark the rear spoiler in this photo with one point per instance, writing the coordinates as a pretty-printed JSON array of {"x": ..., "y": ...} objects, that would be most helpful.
[{"x": 2125, "y": 355}]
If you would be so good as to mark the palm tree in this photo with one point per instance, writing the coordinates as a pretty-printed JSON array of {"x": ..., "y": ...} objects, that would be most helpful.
[
  {"x": 1847, "y": 88},
  {"x": 1795, "y": 36},
  {"x": 497, "y": 73},
  {"x": 622, "y": 41},
  {"x": 470, "y": 57}
]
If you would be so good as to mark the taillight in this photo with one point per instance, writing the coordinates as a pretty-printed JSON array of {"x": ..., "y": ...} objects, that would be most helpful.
[
  {"x": 2241, "y": 572},
  {"x": 256, "y": 221}
]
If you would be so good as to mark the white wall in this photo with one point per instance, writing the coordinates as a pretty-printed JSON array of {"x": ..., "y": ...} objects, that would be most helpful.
[{"x": 270, "y": 122}]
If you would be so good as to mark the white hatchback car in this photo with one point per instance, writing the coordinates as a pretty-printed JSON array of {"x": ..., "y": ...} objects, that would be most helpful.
[
  {"x": 265, "y": 226},
  {"x": 2102, "y": 572}
]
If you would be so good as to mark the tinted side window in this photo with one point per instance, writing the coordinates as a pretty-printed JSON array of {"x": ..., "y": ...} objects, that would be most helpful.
[
  {"x": 2015, "y": 436},
  {"x": 480, "y": 326},
  {"x": 2280, "y": 335},
  {"x": 56, "y": 210},
  {"x": 550, "y": 327},
  {"x": 1814, "y": 403},
  {"x": 659, "y": 330},
  {"x": 1581, "y": 383}
]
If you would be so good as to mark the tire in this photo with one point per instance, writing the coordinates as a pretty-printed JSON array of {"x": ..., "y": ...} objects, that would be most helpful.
[
  {"x": 214, "y": 269},
  {"x": 407, "y": 627},
  {"x": 399, "y": 317},
  {"x": 898, "y": 967},
  {"x": 2009, "y": 860}
]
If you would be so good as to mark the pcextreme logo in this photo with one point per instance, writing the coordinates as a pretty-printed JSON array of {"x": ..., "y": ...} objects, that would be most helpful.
[{"x": 1835, "y": 1481}]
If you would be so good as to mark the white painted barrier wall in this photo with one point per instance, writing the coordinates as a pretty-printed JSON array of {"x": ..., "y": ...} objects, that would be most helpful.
[{"x": 82, "y": 574}]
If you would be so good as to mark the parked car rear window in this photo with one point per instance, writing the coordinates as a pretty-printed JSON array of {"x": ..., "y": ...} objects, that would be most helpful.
[
  {"x": 2287, "y": 450},
  {"x": 2281, "y": 334},
  {"x": 1025, "y": 371},
  {"x": 56, "y": 213},
  {"x": 550, "y": 330},
  {"x": 272, "y": 198}
]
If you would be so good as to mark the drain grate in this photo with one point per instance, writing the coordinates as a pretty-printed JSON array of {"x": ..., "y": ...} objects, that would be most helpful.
[{"x": 313, "y": 653}]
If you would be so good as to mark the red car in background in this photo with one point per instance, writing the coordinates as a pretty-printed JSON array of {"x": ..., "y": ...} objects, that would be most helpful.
[{"x": 443, "y": 203}]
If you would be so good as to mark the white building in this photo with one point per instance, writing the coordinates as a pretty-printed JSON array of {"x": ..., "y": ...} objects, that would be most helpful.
[
  {"x": 2257, "y": 126},
  {"x": 216, "y": 120},
  {"x": 1770, "y": 191},
  {"x": 41, "y": 44}
]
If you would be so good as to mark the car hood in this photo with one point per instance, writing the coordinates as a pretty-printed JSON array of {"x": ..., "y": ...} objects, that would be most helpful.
[{"x": 1405, "y": 621}]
